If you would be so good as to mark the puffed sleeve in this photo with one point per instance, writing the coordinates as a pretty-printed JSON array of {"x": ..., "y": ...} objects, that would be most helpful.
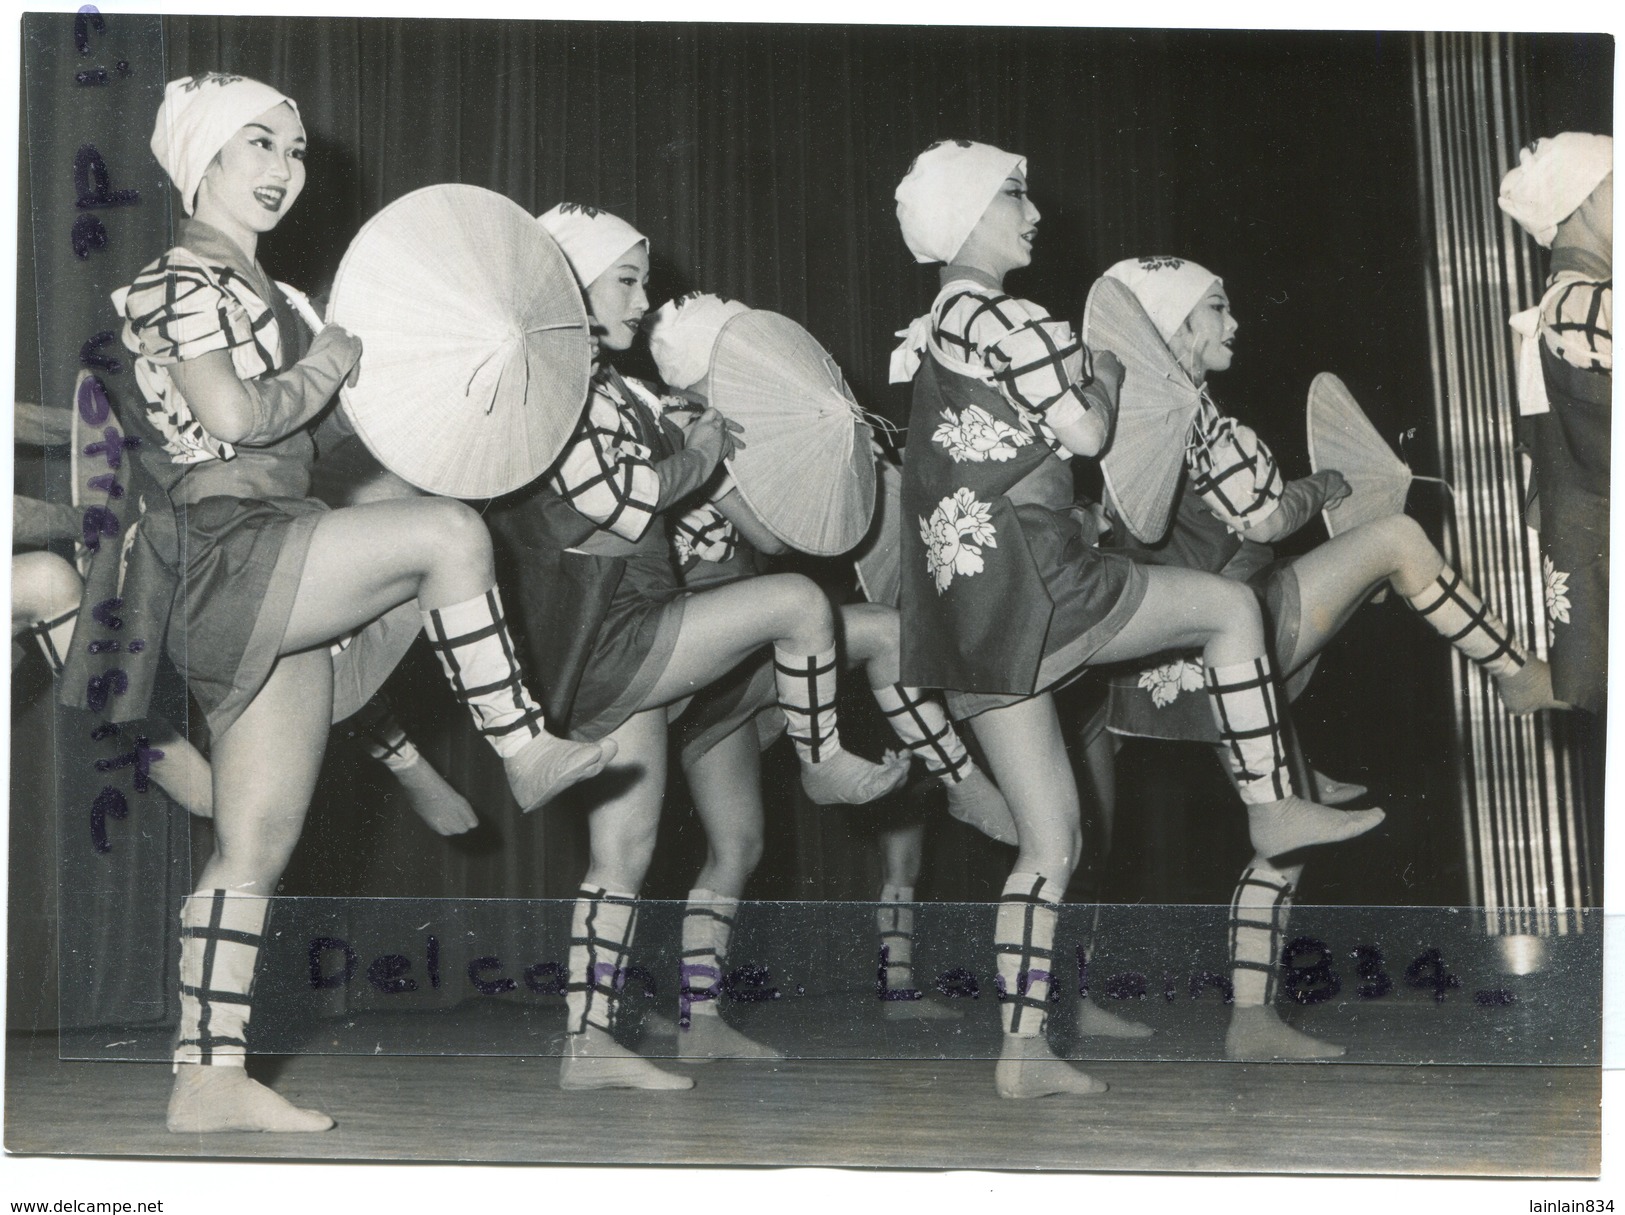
[
  {"x": 1577, "y": 324},
  {"x": 1039, "y": 363},
  {"x": 607, "y": 475},
  {"x": 175, "y": 311},
  {"x": 1232, "y": 470}
]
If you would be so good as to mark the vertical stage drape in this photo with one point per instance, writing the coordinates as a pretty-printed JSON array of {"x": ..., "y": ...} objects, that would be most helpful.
[{"x": 1524, "y": 786}]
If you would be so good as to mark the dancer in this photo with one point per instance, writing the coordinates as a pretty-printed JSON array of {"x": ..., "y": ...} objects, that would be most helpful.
[
  {"x": 271, "y": 578},
  {"x": 1562, "y": 194},
  {"x": 1005, "y": 593},
  {"x": 618, "y": 641},
  {"x": 1232, "y": 504},
  {"x": 721, "y": 540}
]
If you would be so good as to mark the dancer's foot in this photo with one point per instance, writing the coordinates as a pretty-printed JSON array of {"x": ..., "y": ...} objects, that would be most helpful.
[
  {"x": 1257, "y": 1032},
  {"x": 1095, "y": 1022},
  {"x": 845, "y": 779},
  {"x": 445, "y": 810},
  {"x": 596, "y": 1060},
  {"x": 1529, "y": 689},
  {"x": 709, "y": 1037},
  {"x": 1028, "y": 1068},
  {"x": 977, "y": 802},
  {"x": 1292, "y": 823},
  {"x": 1329, "y": 791},
  {"x": 207, "y": 1099},
  {"x": 548, "y": 766},
  {"x": 925, "y": 1009}
]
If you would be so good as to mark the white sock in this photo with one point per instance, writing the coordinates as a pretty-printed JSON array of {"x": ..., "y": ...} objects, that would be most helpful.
[
  {"x": 1248, "y": 714},
  {"x": 894, "y": 920},
  {"x": 1459, "y": 616},
  {"x": 1024, "y": 936},
  {"x": 601, "y": 929},
  {"x": 806, "y": 689},
  {"x": 921, "y": 724},
  {"x": 221, "y": 936},
  {"x": 471, "y": 639},
  {"x": 1259, "y": 910},
  {"x": 708, "y": 924}
]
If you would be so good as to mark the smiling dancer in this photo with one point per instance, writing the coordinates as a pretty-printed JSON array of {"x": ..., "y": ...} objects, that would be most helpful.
[
  {"x": 1006, "y": 594},
  {"x": 619, "y": 641},
  {"x": 262, "y": 580}
]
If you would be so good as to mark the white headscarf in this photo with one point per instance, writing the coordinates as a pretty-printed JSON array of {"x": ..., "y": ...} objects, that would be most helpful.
[
  {"x": 1168, "y": 288},
  {"x": 685, "y": 331},
  {"x": 945, "y": 193},
  {"x": 592, "y": 240},
  {"x": 198, "y": 115},
  {"x": 1553, "y": 178}
]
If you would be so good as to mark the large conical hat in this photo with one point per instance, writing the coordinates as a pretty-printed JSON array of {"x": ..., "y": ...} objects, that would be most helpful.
[
  {"x": 807, "y": 468},
  {"x": 1342, "y": 438},
  {"x": 1143, "y": 463},
  {"x": 475, "y": 352}
]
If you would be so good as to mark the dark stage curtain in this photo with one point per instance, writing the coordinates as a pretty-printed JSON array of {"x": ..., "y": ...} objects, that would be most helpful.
[{"x": 761, "y": 162}]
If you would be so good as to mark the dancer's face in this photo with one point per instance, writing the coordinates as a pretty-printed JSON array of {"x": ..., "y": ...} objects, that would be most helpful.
[
  {"x": 1002, "y": 240},
  {"x": 618, "y": 299},
  {"x": 258, "y": 175},
  {"x": 1206, "y": 342}
]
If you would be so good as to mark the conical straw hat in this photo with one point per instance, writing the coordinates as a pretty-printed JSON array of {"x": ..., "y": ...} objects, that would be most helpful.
[
  {"x": 1146, "y": 456},
  {"x": 1342, "y": 438},
  {"x": 807, "y": 468},
  {"x": 475, "y": 352}
]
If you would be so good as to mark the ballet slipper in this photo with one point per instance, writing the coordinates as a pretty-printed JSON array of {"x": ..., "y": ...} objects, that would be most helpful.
[
  {"x": 925, "y": 1009},
  {"x": 547, "y": 766},
  {"x": 185, "y": 775},
  {"x": 445, "y": 810},
  {"x": 595, "y": 1060},
  {"x": 846, "y": 779},
  {"x": 1329, "y": 791},
  {"x": 708, "y": 1038},
  {"x": 1528, "y": 689},
  {"x": 977, "y": 802},
  {"x": 1285, "y": 826},
  {"x": 210, "y": 1099},
  {"x": 1258, "y": 1033},
  {"x": 1028, "y": 1068},
  {"x": 1095, "y": 1022}
]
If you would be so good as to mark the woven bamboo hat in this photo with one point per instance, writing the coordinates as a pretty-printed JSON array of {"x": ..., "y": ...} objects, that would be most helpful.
[
  {"x": 807, "y": 470},
  {"x": 1342, "y": 438},
  {"x": 476, "y": 354},
  {"x": 1143, "y": 464}
]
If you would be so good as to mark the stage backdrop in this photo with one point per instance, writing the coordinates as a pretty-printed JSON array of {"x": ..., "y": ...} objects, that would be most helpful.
[{"x": 761, "y": 162}]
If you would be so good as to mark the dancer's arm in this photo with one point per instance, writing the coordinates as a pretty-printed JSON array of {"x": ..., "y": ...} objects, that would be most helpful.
[
  {"x": 1234, "y": 472},
  {"x": 265, "y": 411},
  {"x": 1577, "y": 324}
]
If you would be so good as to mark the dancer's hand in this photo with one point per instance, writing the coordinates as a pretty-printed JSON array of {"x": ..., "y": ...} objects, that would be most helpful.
[
  {"x": 1109, "y": 370},
  {"x": 1331, "y": 484},
  {"x": 715, "y": 436}
]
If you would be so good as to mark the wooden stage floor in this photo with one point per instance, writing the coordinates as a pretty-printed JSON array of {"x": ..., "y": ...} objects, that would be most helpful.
[{"x": 1201, "y": 1116}]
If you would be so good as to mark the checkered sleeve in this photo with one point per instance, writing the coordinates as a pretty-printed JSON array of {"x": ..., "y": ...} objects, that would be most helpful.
[
  {"x": 606, "y": 474},
  {"x": 1577, "y": 322},
  {"x": 175, "y": 312},
  {"x": 704, "y": 533},
  {"x": 1231, "y": 469},
  {"x": 1040, "y": 364}
]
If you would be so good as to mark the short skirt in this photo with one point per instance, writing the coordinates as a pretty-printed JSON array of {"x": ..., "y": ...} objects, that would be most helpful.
[
  {"x": 1095, "y": 592},
  {"x": 241, "y": 561}
]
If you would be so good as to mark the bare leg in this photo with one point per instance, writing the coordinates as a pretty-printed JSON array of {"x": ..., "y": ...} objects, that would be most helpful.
[
  {"x": 1338, "y": 576},
  {"x": 621, "y": 834},
  {"x": 265, "y": 768},
  {"x": 726, "y": 783},
  {"x": 723, "y": 625},
  {"x": 45, "y": 592},
  {"x": 1024, "y": 745},
  {"x": 365, "y": 560}
]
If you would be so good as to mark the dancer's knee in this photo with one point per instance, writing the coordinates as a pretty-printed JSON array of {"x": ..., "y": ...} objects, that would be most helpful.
[
  {"x": 1416, "y": 562},
  {"x": 452, "y": 533}
]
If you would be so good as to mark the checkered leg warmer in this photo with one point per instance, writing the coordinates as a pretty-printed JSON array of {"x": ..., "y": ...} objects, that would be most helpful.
[
  {"x": 221, "y": 935},
  {"x": 708, "y": 925},
  {"x": 1459, "y": 616},
  {"x": 1248, "y": 713},
  {"x": 806, "y": 687},
  {"x": 1024, "y": 937},
  {"x": 477, "y": 654},
  {"x": 1259, "y": 910},
  {"x": 894, "y": 920},
  {"x": 921, "y": 724},
  {"x": 601, "y": 929}
]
